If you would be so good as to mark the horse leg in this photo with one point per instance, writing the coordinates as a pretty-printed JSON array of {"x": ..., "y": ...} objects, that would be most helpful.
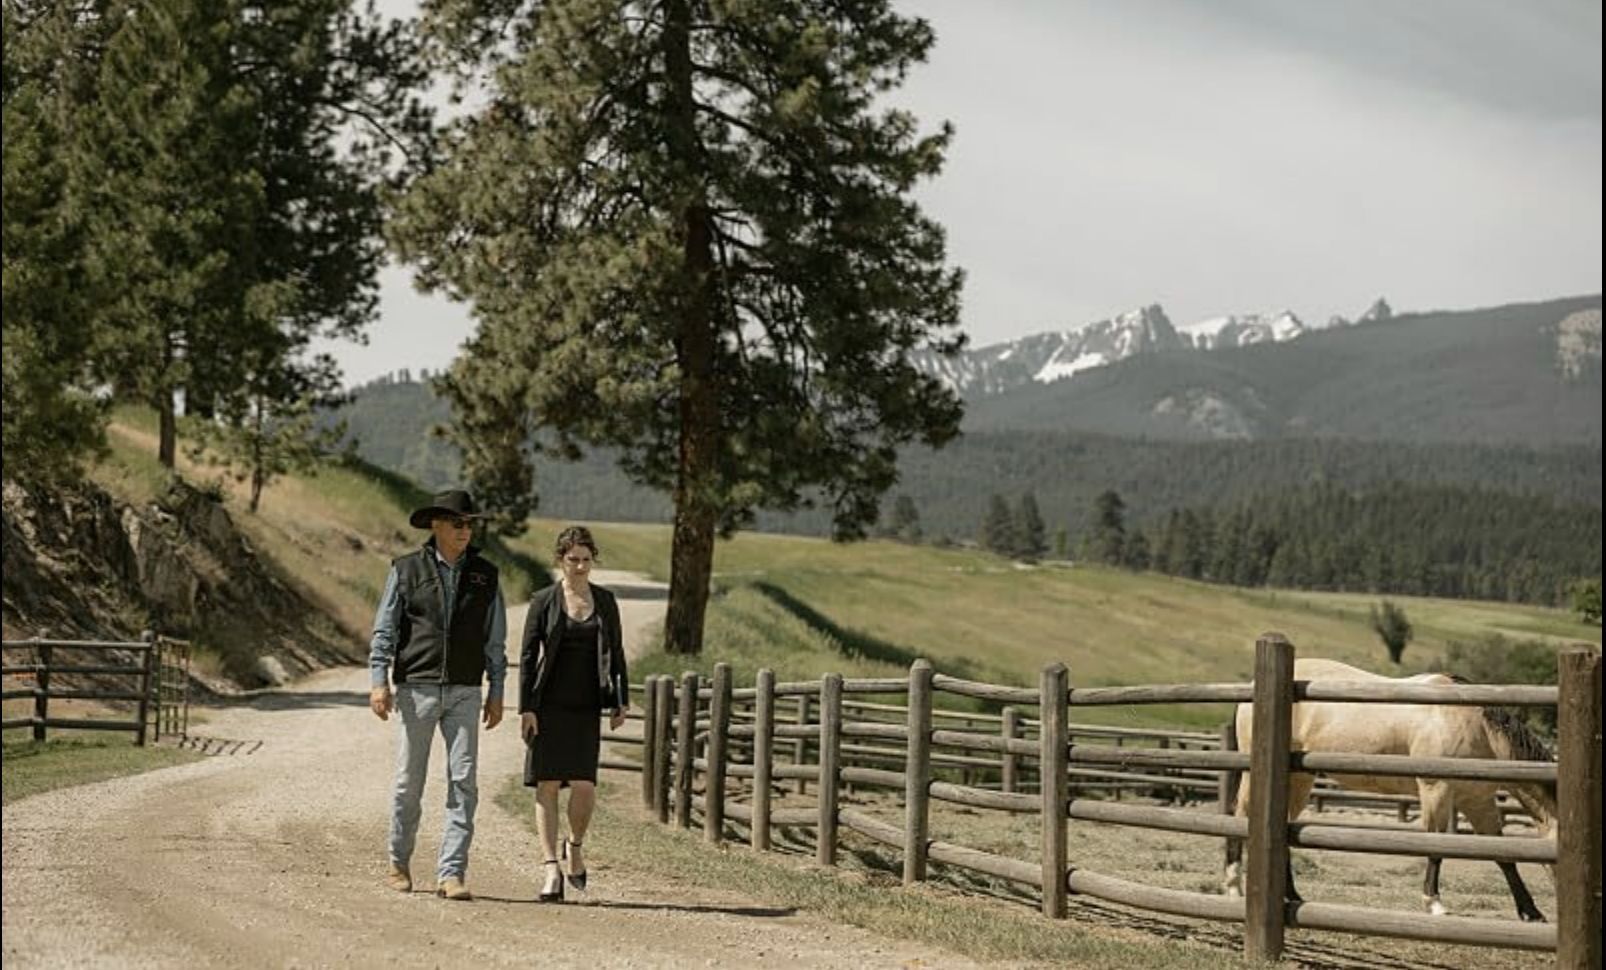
[
  {"x": 1233, "y": 871},
  {"x": 1299, "y": 789},
  {"x": 1484, "y": 814},
  {"x": 1438, "y": 815}
]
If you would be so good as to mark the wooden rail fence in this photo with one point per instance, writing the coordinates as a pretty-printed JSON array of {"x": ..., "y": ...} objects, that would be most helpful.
[
  {"x": 744, "y": 742},
  {"x": 158, "y": 688}
]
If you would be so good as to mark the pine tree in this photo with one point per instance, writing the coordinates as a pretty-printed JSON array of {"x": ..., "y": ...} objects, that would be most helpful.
[
  {"x": 1136, "y": 554},
  {"x": 268, "y": 440},
  {"x": 49, "y": 418},
  {"x": 688, "y": 234},
  {"x": 1106, "y": 541},
  {"x": 905, "y": 521},
  {"x": 1586, "y": 600},
  {"x": 998, "y": 528},
  {"x": 1029, "y": 529},
  {"x": 228, "y": 166},
  {"x": 1393, "y": 628},
  {"x": 159, "y": 172}
]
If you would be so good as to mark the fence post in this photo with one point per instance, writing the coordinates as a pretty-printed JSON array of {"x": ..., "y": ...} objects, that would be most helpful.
[
  {"x": 830, "y": 764},
  {"x": 1266, "y": 865},
  {"x": 649, "y": 740},
  {"x": 184, "y": 679},
  {"x": 800, "y": 746},
  {"x": 1054, "y": 775},
  {"x": 1578, "y": 843},
  {"x": 149, "y": 639},
  {"x": 684, "y": 728},
  {"x": 664, "y": 689},
  {"x": 763, "y": 752},
  {"x": 917, "y": 775},
  {"x": 159, "y": 695},
  {"x": 1009, "y": 763},
  {"x": 41, "y": 690},
  {"x": 719, "y": 720}
]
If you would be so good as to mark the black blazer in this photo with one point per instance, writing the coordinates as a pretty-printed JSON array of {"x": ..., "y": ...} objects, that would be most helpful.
[{"x": 544, "y": 625}]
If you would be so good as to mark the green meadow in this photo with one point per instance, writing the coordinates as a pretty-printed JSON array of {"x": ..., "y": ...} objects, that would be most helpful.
[{"x": 805, "y": 606}]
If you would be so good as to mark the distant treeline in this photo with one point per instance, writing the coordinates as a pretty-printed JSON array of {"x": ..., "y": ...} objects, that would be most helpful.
[
  {"x": 1418, "y": 540},
  {"x": 1502, "y": 522}
]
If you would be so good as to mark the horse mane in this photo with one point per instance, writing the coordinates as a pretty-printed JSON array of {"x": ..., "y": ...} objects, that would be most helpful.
[{"x": 1523, "y": 743}]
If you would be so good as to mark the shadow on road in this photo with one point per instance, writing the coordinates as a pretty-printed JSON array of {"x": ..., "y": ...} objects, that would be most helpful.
[
  {"x": 291, "y": 700},
  {"x": 753, "y": 912},
  {"x": 628, "y": 591}
]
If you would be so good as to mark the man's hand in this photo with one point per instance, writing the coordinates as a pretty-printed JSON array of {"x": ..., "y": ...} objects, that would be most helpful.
[
  {"x": 616, "y": 718},
  {"x": 379, "y": 701},
  {"x": 493, "y": 712},
  {"x": 527, "y": 726}
]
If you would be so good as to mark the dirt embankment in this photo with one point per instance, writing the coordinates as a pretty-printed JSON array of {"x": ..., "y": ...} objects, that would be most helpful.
[{"x": 80, "y": 564}]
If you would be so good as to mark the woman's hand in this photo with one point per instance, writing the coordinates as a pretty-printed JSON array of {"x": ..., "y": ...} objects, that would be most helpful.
[
  {"x": 616, "y": 718},
  {"x": 528, "y": 727}
]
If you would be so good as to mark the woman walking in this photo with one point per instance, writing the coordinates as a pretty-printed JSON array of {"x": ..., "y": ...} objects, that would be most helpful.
[{"x": 571, "y": 670}]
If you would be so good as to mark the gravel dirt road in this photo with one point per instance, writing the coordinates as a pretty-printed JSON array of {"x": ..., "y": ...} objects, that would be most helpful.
[{"x": 276, "y": 858}]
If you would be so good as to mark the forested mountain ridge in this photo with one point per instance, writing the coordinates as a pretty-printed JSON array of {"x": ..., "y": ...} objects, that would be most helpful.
[
  {"x": 1064, "y": 469},
  {"x": 1528, "y": 373}
]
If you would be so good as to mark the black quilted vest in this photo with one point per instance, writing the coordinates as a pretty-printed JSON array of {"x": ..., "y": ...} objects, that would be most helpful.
[{"x": 426, "y": 652}]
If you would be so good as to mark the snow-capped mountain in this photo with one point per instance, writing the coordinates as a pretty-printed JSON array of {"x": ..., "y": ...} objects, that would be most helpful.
[
  {"x": 1044, "y": 358},
  {"x": 1239, "y": 331}
]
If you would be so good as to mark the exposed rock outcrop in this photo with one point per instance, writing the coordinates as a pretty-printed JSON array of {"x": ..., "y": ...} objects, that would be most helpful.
[{"x": 78, "y": 563}]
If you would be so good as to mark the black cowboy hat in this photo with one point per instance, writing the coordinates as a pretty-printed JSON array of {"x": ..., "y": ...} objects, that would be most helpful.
[{"x": 452, "y": 502}]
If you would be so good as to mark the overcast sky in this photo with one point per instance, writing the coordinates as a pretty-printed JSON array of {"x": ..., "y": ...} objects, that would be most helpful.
[{"x": 1229, "y": 157}]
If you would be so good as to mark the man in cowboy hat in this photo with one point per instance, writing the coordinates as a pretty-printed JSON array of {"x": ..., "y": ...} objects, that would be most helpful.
[{"x": 439, "y": 633}]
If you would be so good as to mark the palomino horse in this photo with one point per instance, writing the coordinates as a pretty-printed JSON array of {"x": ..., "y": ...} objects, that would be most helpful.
[{"x": 1420, "y": 731}]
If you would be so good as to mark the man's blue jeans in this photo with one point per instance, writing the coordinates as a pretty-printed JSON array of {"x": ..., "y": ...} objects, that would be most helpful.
[{"x": 455, "y": 710}]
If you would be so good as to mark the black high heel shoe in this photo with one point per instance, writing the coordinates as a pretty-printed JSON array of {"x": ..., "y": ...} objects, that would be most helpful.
[
  {"x": 553, "y": 897},
  {"x": 576, "y": 879}
]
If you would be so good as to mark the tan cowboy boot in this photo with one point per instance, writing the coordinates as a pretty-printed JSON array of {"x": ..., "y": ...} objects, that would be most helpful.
[
  {"x": 452, "y": 888},
  {"x": 399, "y": 879}
]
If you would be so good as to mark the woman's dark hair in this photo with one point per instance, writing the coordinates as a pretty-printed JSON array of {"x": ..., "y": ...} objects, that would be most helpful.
[{"x": 577, "y": 535}]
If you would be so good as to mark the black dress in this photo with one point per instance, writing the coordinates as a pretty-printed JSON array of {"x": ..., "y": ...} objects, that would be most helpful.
[{"x": 569, "y": 715}]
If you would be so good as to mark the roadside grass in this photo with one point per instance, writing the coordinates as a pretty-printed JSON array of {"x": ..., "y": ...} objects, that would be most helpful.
[
  {"x": 863, "y": 893},
  {"x": 31, "y": 767}
]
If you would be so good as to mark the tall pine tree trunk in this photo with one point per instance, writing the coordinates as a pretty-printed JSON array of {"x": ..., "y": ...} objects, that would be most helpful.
[
  {"x": 258, "y": 472},
  {"x": 691, "y": 557},
  {"x": 167, "y": 428},
  {"x": 166, "y": 423}
]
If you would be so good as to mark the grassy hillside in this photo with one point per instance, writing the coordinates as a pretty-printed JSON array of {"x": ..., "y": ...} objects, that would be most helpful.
[
  {"x": 329, "y": 536},
  {"x": 804, "y": 606}
]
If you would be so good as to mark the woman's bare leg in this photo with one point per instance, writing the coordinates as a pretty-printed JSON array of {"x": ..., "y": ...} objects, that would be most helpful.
[
  {"x": 582, "y": 802},
  {"x": 546, "y": 828}
]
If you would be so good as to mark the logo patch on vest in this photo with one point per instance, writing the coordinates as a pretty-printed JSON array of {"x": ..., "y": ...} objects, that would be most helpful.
[{"x": 478, "y": 579}]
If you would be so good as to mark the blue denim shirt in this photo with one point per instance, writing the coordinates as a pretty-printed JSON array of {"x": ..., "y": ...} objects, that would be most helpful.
[{"x": 382, "y": 648}]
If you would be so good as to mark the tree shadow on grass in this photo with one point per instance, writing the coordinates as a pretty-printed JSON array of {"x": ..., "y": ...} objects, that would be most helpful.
[{"x": 863, "y": 646}]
